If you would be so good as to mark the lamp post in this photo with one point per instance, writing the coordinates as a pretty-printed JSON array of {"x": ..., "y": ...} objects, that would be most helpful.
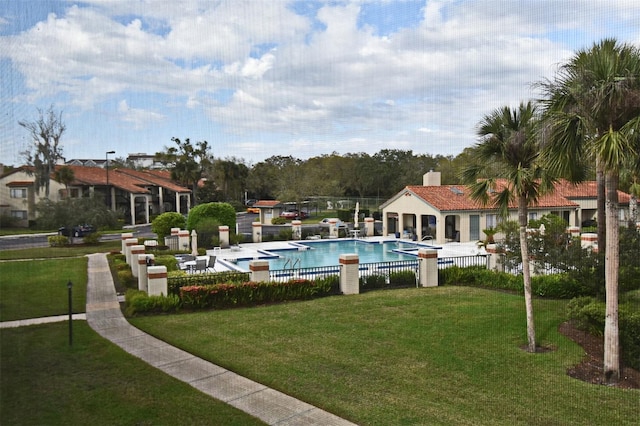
[{"x": 106, "y": 157}]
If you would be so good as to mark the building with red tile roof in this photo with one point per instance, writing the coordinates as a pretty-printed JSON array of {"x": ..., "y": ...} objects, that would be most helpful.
[
  {"x": 137, "y": 193},
  {"x": 447, "y": 212}
]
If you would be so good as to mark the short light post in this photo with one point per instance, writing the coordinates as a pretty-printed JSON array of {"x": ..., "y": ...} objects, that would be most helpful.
[
  {"x": 69, "y": 290},
  {"x": 106, "y": 157}
]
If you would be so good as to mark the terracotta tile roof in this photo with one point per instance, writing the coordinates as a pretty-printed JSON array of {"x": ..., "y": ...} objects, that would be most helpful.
[
  {"x": 156, "y": 178},
  {"x": 456, "y": 197},
  {"x": 266, "y": 203},
  {"x": 132, "y": 181},
  {"x": 585, "y": 190},
  {"x": 20, "y": 183}
]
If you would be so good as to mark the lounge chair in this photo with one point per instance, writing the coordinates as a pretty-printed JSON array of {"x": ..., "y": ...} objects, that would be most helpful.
[
  {"x": 211, "y": 262},
  {"x": 201, "y": 265}
]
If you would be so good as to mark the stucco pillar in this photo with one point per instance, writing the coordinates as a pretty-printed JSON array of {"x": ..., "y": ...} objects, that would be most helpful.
[
  {"x": 157, "y": 279},
  {"x": 589, "y": 240},
  {"x": 296, "y": 229},
  {"x": 146, "y": 209},
  {"x": 495, "y": 258},
  {"x": 349, "y": 273},
  {"x": 428, "y": 264},
  {"x": 144, "y": 260},
  {"x": 256, "y": 231},
  {"x": 135, "y": 252},
  {"x": 112, "y": 195},
  {"x": 123, "y": 237},
  {"x": 183, "y": 239},
  {"x": 259, "y": 270},
  {"x": 573, "y": 231},
  {"x": 132, "y": 208},
  {"x": 333, "y": 228},
  {"x": 224, "y": 236},
  {"x": 160, "y": 200},
  {"x": 178, "y": 202},
  {"x": 175, "y": 232},
  {"x": 130, "y": 242},
  {"x": 369, "y": 226}
]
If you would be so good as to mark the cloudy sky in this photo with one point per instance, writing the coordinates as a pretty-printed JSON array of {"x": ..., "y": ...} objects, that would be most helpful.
[{"x": 259, "y": 78}]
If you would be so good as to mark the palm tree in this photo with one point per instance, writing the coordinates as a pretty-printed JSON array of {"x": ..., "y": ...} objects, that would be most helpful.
[
  {"x": 507, "y": 170},
  {"x": 592, "y": 114}
]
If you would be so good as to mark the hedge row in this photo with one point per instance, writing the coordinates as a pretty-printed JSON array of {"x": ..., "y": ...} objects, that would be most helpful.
[
  {"x": 222, "y": 296},
  {"x": 558, "y": 286},
  {"x": 588, "y": 314}
]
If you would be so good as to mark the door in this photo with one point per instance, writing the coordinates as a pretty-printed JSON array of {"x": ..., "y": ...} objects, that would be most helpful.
[{"x": 474, "y": 227}]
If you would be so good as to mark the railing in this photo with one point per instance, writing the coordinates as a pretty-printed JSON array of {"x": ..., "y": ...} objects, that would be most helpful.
[
  {"x": 303, "y": 273},
  {"x": 463, "y": 261}
]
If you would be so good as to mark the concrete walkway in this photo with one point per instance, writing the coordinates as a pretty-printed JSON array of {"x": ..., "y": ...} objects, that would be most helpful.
[{"x": 272, "y": 407}]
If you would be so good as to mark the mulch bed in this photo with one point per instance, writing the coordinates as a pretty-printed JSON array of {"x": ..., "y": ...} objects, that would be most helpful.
[{"x": 591, "y": 369}]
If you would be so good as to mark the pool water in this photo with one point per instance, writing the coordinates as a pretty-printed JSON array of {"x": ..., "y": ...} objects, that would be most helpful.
[{"x": 327, "y": 253}]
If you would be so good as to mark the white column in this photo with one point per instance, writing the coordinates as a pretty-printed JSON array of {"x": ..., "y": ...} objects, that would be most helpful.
[
  {"x": 128, "y": 243},
  {"x": 183, "y": 240},
  {"x": 369, "y": 226},
  {"x": 146, "y": 208},
  {"x": 143, "y": 281},
  {"x": 178, "y": 202},
  {"x": 123, "y": 237},
  {"x": 349, "y": 273},
  {"x": 496, "y": 258},
  {"x": 132, "y": 206},
  {"x": 333, "y": 228},
  {"x": 160, "y": 200},
  {"x": 259, "y": 270},
  {"x": 157, "y": 278},
  {"x": 428, "y": 263},
  {"x": 256, "y": 230},
  {"x": 136, "y": 251},
  {"x": 224, "y": 235},
  {"x": 296, "y": 229}
]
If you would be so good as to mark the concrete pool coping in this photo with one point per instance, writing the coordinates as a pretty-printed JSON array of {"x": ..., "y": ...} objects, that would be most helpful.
[{"x": 226, "y": 258}]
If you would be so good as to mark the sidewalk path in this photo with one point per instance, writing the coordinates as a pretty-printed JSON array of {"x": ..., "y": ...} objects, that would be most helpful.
[{"x": 272, "y": 407}]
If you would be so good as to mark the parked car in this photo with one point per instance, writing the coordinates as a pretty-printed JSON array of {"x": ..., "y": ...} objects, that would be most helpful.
[
  {"x": 77, "y": 231},
  {"x": 294, "y": 214},
  {"x": 253, "y": 210}
]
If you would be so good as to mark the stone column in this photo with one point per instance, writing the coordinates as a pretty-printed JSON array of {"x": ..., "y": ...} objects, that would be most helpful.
[
  {"x": 369, "y": 228},
  {"x": 183, "y": 240},
  {"x": 296, "y": 229},
  {"x": 157, "y": 278},
  {"x": 496, "y": 258},
  {"x": 259, "y": 270},
  {"x": 128, "y": 243},
  {"x": 428, "y": 264},
  {"x": 135, "y": 252},
  {"x": 256, "y": 230},
  {"x": 224, "y": 236},
  {"x": 333, "y": 228},
  {"x": 123, "y": 237},
  {"x": 349, "y": 274},
  {"x": 143, "y": 259}
]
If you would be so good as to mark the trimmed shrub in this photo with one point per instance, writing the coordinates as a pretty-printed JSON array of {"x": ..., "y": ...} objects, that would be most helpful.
[
  {"x": 92, "y": 238},
  {"x": 278, "y": 221},
  {"x": 222, "y": 213},
  {"x": 138, "y": 302},
  {"x": 557, "y": 286},
  {"x": 162, "y": 224},
  {"x": 402, "y": 279},
  {"x": 58, "y": 241},
  {"x": 167, "y": 260},
  {"x": 126, "y": 278},
  {"x": 370, "y": 282}
]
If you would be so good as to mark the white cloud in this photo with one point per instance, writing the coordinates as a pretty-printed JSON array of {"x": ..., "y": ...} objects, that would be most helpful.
[
  {"x": 258, "y": 76},
  {"x": 138, "y": 117}
]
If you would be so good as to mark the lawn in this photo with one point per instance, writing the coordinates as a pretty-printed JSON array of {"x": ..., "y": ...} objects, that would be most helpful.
[
  {"x": 47, "y": 382},
  {"x": 38, "y": 288},
  {"x": 55, "y": 252},
  {"x": 448, "y": 355}
]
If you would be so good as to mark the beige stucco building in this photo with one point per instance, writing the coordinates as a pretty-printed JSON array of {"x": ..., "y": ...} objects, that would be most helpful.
[{"x": 446, "y": 213}]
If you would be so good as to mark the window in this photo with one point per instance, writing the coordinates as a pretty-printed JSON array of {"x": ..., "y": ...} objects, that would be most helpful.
[
  {"x": 18, "y": 192},
  {"x": 492, "y": 221},
  {"x": 533, "y": 215},
  {"x": 19, "y": 214}
]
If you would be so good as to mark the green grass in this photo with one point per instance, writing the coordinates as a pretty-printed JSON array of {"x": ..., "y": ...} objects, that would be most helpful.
[
  {"x": 38, "y": 288},
  {"x": 55, "y": 252},
  {"x": 417, "y": 356},
  {"x": 46, "y": 382}
]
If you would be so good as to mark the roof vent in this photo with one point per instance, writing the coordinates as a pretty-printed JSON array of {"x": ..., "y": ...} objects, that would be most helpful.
[{"x": 456, "y": 190}]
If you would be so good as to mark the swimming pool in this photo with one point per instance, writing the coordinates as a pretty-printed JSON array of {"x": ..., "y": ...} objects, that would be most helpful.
[{"x": 327, "y": 253}]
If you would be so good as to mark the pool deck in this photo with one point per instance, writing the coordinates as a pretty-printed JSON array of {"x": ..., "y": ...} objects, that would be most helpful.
[{"x": 256, "y": 250}]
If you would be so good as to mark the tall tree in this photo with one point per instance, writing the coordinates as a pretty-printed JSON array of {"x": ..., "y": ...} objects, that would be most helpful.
[
  {"x": 592, "y": 109},
  {"x": 46, "y": 132},
  {"x": 507, "y": 169},
  {"x": 186, "y": 161},
  {"x": 65, "y": 176}
]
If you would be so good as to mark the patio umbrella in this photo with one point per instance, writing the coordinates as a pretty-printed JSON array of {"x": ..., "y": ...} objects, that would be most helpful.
[
  {"x": 194, "y": 243},
  {"x": 356, "y": 215}
]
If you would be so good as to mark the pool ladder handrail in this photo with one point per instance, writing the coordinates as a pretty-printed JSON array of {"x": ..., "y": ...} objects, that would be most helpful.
[{"x": 291, "y": 262}]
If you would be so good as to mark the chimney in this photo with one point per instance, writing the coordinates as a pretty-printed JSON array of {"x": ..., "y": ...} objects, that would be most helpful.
[{"x": 431, "y": 178}]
